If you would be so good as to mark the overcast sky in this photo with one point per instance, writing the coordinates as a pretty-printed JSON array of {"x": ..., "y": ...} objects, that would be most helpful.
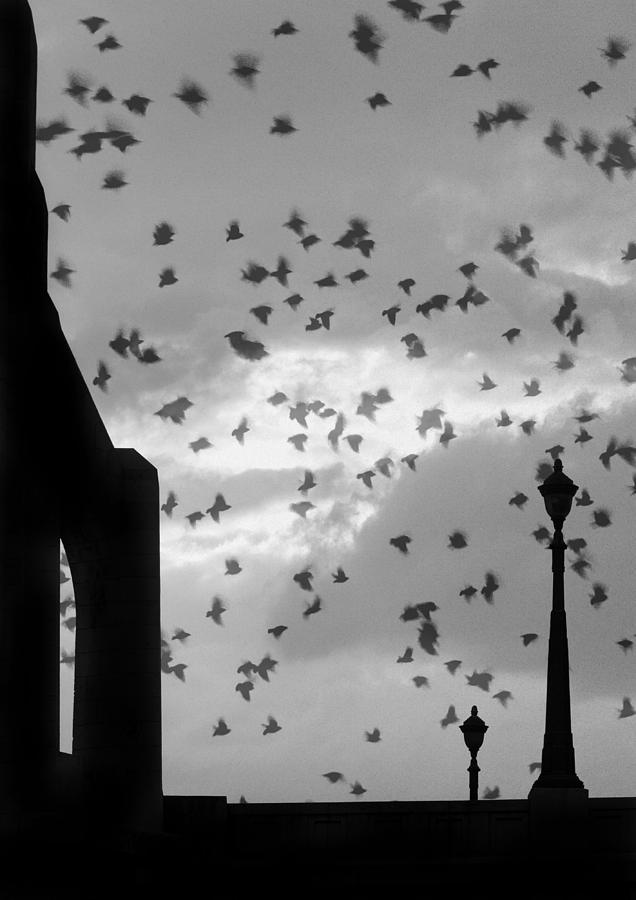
[{"x": 435, "y": 195}]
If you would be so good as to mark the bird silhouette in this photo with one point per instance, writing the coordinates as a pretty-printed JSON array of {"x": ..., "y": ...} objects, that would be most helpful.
[
  {"x": 192, "y": 95},
  {"x": 62, "y": 272},
  {"x": 63, "y": 210},
  {"x": 378, "y": 99},
  {"x": 428, "y": 637},
  {"x": 110, "y": 42},
  {"x": 625, "y": 644},
  {"x": 232, "y": 567},
  {"x": 406, "y": 657},
  {"x": 487, "y": 384},
  {"x": 137, "y": 104},
  {"x": 528, "y": 426},
  {"x": 66, "y": 604},
  {"x": 285, "y": 27},
  {"x": 313, "y": 607},
  {"x": 383, "y": 466},
  {"x": 601, "y": 518},
  {"x": 220, "y": 728},
  {"x": 245, "y": 68},
  {"x": 218, "y": 507},
  {"x": 555, "y": 140},
  {"x": 373, "y": 736},
  {"x": 303, "y": 579},
  {"x": 195, "y": 517},
  {"x": 246, "y": 349},
  {"x": 56, "y": 128},
  {"x": 354, "y": 441},
  {"x": 590, "y": 88},
  {"x": 271, "y": 726},
  {"x": 504, "y": 420},
  {"x": 391, "y": 313},
  {"x": 598, "y": 595},
  {"x": 511, "y": 334},
  {"x": 462, "y": 71},
  {"x": 217, "y": 611},
  {"x": 180, "y": 635},
  {"x": 576, "y": 545},
  {"x": 489, "y": 587},
  {"x": 282, "y": 125},
  {"x": 339, "y": 576},
  {"x": 406, "y": 284},
  {"x": 410, "y": 9},
  {"x": 491, "y": 793},
  {"x": 627, "y": 709},
  {"x": 447, "y": 435},
  {"x": 201, "y": 443},
  {"x": 503, "y": 697},
  {"x": 333, "y": 777},
  {"x": 409, "y": 459},
  {"x": 366, "y": 477},
  {"x": 615, "y": 50},
  {"x": 450, "y": 718},
  {"x": 580, "y": 566},
  {"x": 468, "y": 592},
  {"x": 170, "y": 504},
  {"x": 457, "y": 540},
  {"x": 357, "y": 789},
  {"x": 277, "y": 630},
  {"x": 302, "y": 508},
  {"x": 528, "y": 638},
  {"x": 233, "y": 232},
  {"x": 452, "y": 665},
  {"x": 244, "y": 688},
  {"x": 479, "y": 679},
  {"x": 486, "y": 66},
  {"x": 420, "y": 681},
  {"x": 102, "y": 376},
  {"x": 588, "y": 142},
  {"x": 584, "y": 499},
  {"x": 401, "y": 542},
  {"x": 114, "y": 180},
  {"x": 241, "y": 430},
  {"x": 167, "y": 277},
  {"x": 532, "y": 388},
  {"x": 367, "y": 37},
  {"x": 519, "y": 500}
]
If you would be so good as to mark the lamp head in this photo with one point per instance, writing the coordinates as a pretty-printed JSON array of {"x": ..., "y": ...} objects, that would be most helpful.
[
  {"x": 474, "y": 730},
  {"x": 558, "y": 492}
]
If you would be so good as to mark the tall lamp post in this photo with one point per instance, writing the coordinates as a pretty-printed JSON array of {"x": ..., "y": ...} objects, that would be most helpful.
[
  {"x": 557, "y": 760},
  {"x": 473, "y": 730}
]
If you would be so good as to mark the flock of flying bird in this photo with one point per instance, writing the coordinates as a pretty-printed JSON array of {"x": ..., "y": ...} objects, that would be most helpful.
[{"x": 514, "y": 245}]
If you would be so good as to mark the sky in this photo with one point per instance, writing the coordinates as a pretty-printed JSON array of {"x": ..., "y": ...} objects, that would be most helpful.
[{"x": 434, "y": 195}]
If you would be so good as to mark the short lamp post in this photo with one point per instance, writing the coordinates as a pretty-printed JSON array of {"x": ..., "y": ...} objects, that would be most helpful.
[
  {"x": 557, "y": 761},
  {"x": 473, "y": 730}
]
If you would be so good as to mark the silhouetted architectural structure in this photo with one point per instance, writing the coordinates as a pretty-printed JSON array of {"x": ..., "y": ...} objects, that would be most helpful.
[{"x": 95, "y": 823}]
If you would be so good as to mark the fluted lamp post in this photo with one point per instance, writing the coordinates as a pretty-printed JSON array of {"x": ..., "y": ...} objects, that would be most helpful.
[
  {"x": 557, "y": 760},
  {"x": 473, "y": 730}
]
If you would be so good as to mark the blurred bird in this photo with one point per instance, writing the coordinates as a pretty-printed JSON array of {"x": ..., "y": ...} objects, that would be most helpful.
[
  {"x": 383, "y": 466},
  {"x": 401, "y": 542},
  {"x": 420, "y": 681},
  {"x": 428, "y": 637},
  {"x": 615, "y": 50},
  {"x": 63, "y": 210},
  {"x": 354, "y": 441},
  {"x": 450, "y": 718},
  {"x": 244, "y": 348},
  {"x": 447, "y": 435},
  {"x": 245, "y": 68},
  {"x": 511, "y": 334},
  {"x": 625, "y": 644},
  {"x": 532, "y": 389},
  {"x": 555, "y": 451},
  {"x": 627, "y": 709},
  {"x": 576, "y": 545},
  {"x": 528, "y": 426},
  {"x": 339, "y": 576},
  {"x": 584, "y": 499},
  {"x": 312, "y": 608},
  {"x": 47, "y": 133},
  {"x": 601, "y": 518},
  {"x": 406, "y": 657},
  {"x": 233, "y": 232},
  {"x": 175, "y": 411},
  {"x": 479, "y": 679},
  {"x": 77, "y": 88},
  {"x": 281, "y": 271},
  {"x": 179, "y": 671},
  {"x": 452, "y": 665},
  {"x": 62, "y": 272},
  {"x": 357, "y": 789},
  {"x": 163, "y": 233},
  {"x": 486, "y": 66},
  {"x": 217, "y": 507},
  {"x": 137, "y": 104},
  {"x": 308, "y": 483},
  {"x": 406, "y": 284},
  {"x": 68, "y": 659},
  {"x": 195, "y": 517},
  {"x": 534, "y": 766},
  {"x": 277, "y": 630},
  {"x": 271, "y": 727},
  {"x": 409, "y": 8},
  {"x": 373, "y": 736},
  {"x": 244, "y": 688},
  {"x": 232, "y": 567},
  {"x": 302, "y": 508},
  {"x": 391, "y": 313},
  {"x": 333, "y": 777},
  {"x": 378, "y": 99},
  {"x": 167, "y": 277},
  {"x": 503, "y": 697},
  {"x": 180, "y": 635},
  {"x": 110, "y": 42},
  {"x": 357, "y": 275},
  {"x": 366, "y": 477},
  {"x": 589, "y": 88},
  {"x": 457, "y": 540},
  {"x": 555, "y": 140},
  {"x": 220, "y": 728},
  {"x": 576, "y": 330},
  {"x": 580, "y": 565},
  {"x": 487, "y": 384},
  {"x": 489, "y": 587},
  {"x": 504, "y": 420},
  {"x": 491, "y": 793},
  {"x": 201, "y": 443},
  {"x": 468, "y": 592},
  {"x": 282, "y": 125},
  {"x": 410, "y": 460},
  {"x": 367, "y": 37},
  {"x": 588, "y": 144},
  {"x": 192, "y": 95},
  {"x": 241, "y": 430},
  {"x": 519, "y": 500},
  {"x": 598, "y": 595},
  {"x": 462, "y": 71},
  {"x": 303, "y": 579},
  {"x": 102, "y": 376},
  {"x": 285, "y": 27},
  {"x": 541, "y": 534},
  {"x": 66, "y": 604},
  {"x": 93, "y": 23},
  {"x": 528, "y": 638}
]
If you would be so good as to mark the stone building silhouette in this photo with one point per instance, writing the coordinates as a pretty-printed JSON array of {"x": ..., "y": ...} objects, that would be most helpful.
[{"x": 95, "y": 823}]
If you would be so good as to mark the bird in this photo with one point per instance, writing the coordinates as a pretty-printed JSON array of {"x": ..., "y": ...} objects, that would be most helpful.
[
  {"x": 180, "y": 635},
  {"x": 357, "y": 275},
  {"x": 246, "y": 668},
  {"x": 420, "y": 681},
  {"x": 232, "y": 567},
  {"x": 576, "y": 545},
  {"x": 486, "y": 66},
  {"x": 277, "y": 630},
  {"x": 339, "y": 576},
  {"x": 598, "y": 595},
  {"x": 410, "y": 9},
  {"x": 333, "y": 777},
  {"x": 625, "y": 644},
  {"x": 244, "y": 688},
  {"x": 192, "y": 95},
  {"x": 555, "y": 140},
  {"x": 308, "y": 482},
  {"x": 511, "y": 334},
  {"x": 615, "y": 50},
  {"x": 246, "y": 349},
  {"x": 401, "y": 542},
  {"x": 163, "y": 234},
  {"x": 217, "y": 507},
  {"x": 457, "y": 540},
  {"x": 294, "y": 301},
  {"x": 391, "y": 313},
  {"x": 406, "y": 284},
  {"x": 503, "y": 697},
  {"x": 303, "y": 579},
  {"x": 309, "y": 240},
  {"x": 541, "y": 534},
  {"x": 233, "y": 231},
  {"x": 528, "y": 638},
  {"x": 312, "y": 608},
  {"x": 354, "y": 441},
  {"x": 487, "y": 384},
  {"x": 175, "y": 410},
  {"x": 102, "y": 376},
  {"x": 468, "y": 592},
  {"x": 519, "y": 500},
  {"x": 528, "y": 426},
  {"x": 627, "y": 709},
  {"x": 67, "y": 659},
  {"x": 409, "y": 459},
  {"x": 245, "y": 68},
  {"x": 532, "y": 388},
  {"x": 452, "y": 665},
  {"x": 271, "y": 727},
  {"x": 110, "y": 42},
  {"x": 555, "y": 451},
  {"x": 137, "y": 104},
  {"x": 195, "y": 517},
  {"x": 367, "y": 37},
  {"x": 63, "y": 210},
  {"x": 366, "y": 477},
  {"x": 285, "y": 27},
  {"x": 378, "y": 99},
  {"x": 62, "y": 273},
  {"x": 580, "y": 566},
  {"x": 167, "y": 277},
  {"x": 281, "y": 271},
  {"x": 282, "y": 125},
  {"x": 479, "y": 679},
  {"x": 428, "y": 636},
  {"x": 201, "y": 443},
  {"x": 601, "y": 518},
  {"x": 373, "y": 736},
  {"x": 447, "y": 435},
  {"x": 217, "y": 611},
  {"x": 491, "y": 793},
  {"x": 47, "y": 133},
  {"x": 630, "y": 254},
  {"x": 241, "y": 430},
  {"x": 588, "y": 143},
  {"x": 489, "y": 587},
  {"x": 93, "y": 23},
  {"x": 564, "y": 362},
  {"x": 468, "y": 269},
  {"x": 590, "y": 88},
  {"x": 504, "y": 420},
  {"x": 327, "y": 280},
  {"x": 406, "y": 657},
  {"x": 357, "y": 789},
  {"x": 302, "y": 508},
  {"x": 450, "y": 718},
  {"x": 383, "y": 466},
  {"x": 220, "y": 728},
  {"x": 462, "y": 71}
]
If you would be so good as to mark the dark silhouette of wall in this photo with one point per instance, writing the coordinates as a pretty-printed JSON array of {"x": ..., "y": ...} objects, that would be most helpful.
[{"x": 61, "y": 477}]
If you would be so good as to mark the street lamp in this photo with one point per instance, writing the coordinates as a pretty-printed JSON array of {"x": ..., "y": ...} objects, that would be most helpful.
[
  {"x": 473, "y": 730},
  {"x": 557, "y": 761}
]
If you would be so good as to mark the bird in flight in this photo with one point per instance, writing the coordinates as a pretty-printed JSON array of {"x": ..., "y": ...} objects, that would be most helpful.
[
  {"x": 373, "y": 736},
  {"x": 452, "y": 665},
  {"x": 246, "y": 349},
  {"x": 333, "y": 777},
  {"x": 367, "y": 37},
  {"x": 192, "y": 95},
  {"x": 401, "y": 542},
  {"x": 277, "y": 630},
  {"x": 220, "y": 728},
  {"x": 406, "y": 657},
  {"x": 271, "y": 726},
  {"x": 528, "y": 638},
  {"x": 450, "y": 718},
  {"x": 217, "y": 611},
  {"x": 504, "y": 420}
]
